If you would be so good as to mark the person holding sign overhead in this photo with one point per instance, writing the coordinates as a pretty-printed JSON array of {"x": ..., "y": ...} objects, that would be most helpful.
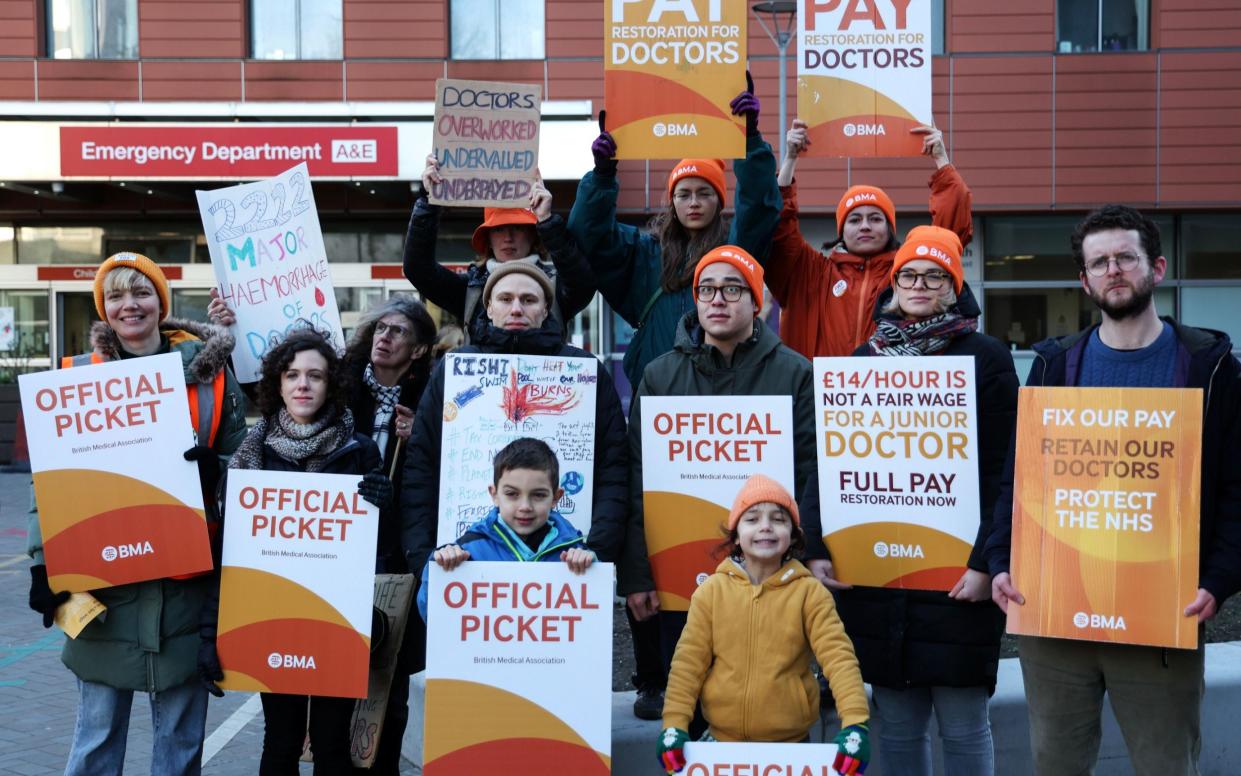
[
  {"x": 827, "y": 297},
  {"x": 925, "y": 651},
  {"x": 1155, "y": 692},
  {"x": 534, "y": 236},
  {"x": 306, "y": 426},
  {"x": 147, "y": 641}
]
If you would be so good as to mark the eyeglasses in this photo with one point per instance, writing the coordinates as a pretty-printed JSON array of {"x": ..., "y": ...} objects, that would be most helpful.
[
  {"x": 395, "y": 330},
  {"x": 731, "y": 293},
  {"x": 932, "y": 281},
  {"x": 1125, "y": 261}
]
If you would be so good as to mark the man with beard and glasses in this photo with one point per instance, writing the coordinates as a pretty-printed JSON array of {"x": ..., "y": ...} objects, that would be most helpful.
[{"x": 1155, "y": 693}]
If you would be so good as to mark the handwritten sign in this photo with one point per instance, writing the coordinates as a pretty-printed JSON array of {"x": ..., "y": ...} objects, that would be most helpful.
[
  {"x": 1105, "y": 514},
  {"x": 393, "y": 595},
  {"x": 95, "y": 432},
  {"x": 864, "y": 75},
  {"x": 491, "y": 399},
  {"x": 898, "y": 468},
  {"x": 519, "y": 667},
  {"x": 697, "y": 452},
  {"x": 487, "y": 142},
  {"x": 270, "y": 263},
  {"x": 669, "y": 72}
]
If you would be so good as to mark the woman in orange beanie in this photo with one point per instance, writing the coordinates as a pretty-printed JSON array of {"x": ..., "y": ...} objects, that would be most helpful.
[
  {"x": 926, "y": 651},
  {"x": 827, "y": 297},
  {"x": 745, "y": 653},
  {"x": 535, "y": 236}
]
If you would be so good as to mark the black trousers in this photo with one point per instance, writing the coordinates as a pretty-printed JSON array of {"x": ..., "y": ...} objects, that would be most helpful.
[
  {"x": 649, "y": 668},
  {"x": 284, "y": 733}
]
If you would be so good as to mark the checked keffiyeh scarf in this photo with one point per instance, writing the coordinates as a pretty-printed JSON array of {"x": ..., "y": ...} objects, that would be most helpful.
[{"x": 386, "y": 398}]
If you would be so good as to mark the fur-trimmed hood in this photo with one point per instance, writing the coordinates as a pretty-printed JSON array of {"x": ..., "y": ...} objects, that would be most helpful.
[{"x": 202, "y": 362}]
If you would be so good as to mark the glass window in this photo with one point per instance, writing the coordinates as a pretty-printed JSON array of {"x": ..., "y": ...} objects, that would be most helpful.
[
  {"x": 1211, "y": 246},
  {"x": 92, "y": 29},
  {"x": 29, "y": 348},
  {"x": 497, "y": 29},
  {"x": 937, "y": 27},
  {"x": 1102, "y": 25},
  {"x": 190, "y": 304},
  {"x": 352, "y": 302},
  {"x": 59, "y": 244},
  {"x": 296, "y": 29},
  {"x": 1212, "y": 308},
  {"x": 8, "y": 244},
  {"x": 1020, "y": 317},
  {"x": 1037, "y": 247}
]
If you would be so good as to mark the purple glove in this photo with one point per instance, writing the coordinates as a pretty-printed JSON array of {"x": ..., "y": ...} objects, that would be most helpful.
[
  {"x": 748, "y": 105},
  {"x": 604, "y": 149}
]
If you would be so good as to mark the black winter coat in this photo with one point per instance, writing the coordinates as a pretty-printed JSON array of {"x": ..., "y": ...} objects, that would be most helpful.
[
  {"x": 570, "y": 274},
  {"x": 420, "y": 486},
  {"x": 923, "y": 638}
]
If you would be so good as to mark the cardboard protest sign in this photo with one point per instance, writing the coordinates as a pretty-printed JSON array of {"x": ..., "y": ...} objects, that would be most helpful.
[
  {"x": 1105, "y": 514},
  {"x": 296, "y": 583},
  {"x": 898, "y": 468},
  {"x": 270, "y": 263},
  {"x": 669, "y": 72},
  {"x": 864, "y": 75},
  {"x": 487, "y": 142},
  {"x": 393, "y": 595},
  {"x": 519, "y": 670},
  {"x": 490, "y": 399},
  {"x": 118, "y": 503},
  {"x": 697, "y": 452},
  {"x": 717, "y": 758}
]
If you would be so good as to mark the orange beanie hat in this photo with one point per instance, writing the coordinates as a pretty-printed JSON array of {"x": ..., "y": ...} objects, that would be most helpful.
[
  {"x": 499, "y": 216},
  {"x": 757, "y": 490},
  {"x": 138, "y": 263},
  {"x": 750, "y": 269},
  {"x": 936, "y": 244},
  {"x": 857, "y": 196},
  {"x": 710, "y": 170}
]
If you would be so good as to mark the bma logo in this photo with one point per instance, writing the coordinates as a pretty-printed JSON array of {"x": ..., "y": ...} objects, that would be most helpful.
[
  {"x": 894, "y": 550},
  {"x": 123, "y": 551},
  {"x": 851, "y": 130},
  {"x": 277, "y": 660},
  {"x": 355, "y": 151},
  {"x": 1104, "y": 621},
  {"x": 860, "y": 198},
  {"x": 734, "y": 255},
  {"x": 935, "y": 253},
  {"x": 660, "y": 129}
]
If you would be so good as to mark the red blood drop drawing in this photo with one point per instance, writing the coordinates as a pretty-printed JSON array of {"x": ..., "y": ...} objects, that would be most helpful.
[{"x": 319, "y": 299}]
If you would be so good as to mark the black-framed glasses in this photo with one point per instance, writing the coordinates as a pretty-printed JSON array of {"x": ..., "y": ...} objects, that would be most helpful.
[
  {"x": 731, "y": 293},
  {"x": 1125, "y": 261},
  {"x": 933, "y": 281},
  {"x": 395, "y": 330}
]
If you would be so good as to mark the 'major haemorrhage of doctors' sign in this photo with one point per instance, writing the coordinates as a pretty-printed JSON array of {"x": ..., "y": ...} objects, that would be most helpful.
[
  {"x": 697, "y": 452},
  {"x": 490, "y": 399},
  {"x": 296, "y": 583},
  {"x": 898, "y": 468},
  {"x": 519, "y": 667},
  {"x": 864, "y": 75},
  {"x": 118, "y": 503},
  {"x": 670, "y": 69},
  {"x": 270, "y": 264},
  {"x": 486, "y": 139}
]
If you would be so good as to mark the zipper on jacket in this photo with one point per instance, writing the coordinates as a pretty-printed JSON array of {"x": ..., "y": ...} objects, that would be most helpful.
[
  {"x": 749, "y": 668},
  {"x": 861, "y": 305},
  {"x": 536, "y": 555}
]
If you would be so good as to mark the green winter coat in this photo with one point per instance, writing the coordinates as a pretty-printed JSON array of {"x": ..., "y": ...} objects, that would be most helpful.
[
  {"x": 627, "y": 261},
  {"x": 148, "y": 638},
  {"x": 761, "y": 366}
]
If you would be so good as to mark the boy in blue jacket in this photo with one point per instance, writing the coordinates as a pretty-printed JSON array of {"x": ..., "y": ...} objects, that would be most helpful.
[{"x": 523, "y": 526}]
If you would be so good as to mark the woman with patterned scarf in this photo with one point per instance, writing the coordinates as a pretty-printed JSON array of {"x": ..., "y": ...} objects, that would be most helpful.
[
  {"x": 306, "y": 427},
  {"x": 923, "y": 650}
]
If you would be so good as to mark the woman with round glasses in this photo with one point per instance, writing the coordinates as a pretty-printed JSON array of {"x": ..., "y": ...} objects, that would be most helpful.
[{"x": 924, "y": 650}]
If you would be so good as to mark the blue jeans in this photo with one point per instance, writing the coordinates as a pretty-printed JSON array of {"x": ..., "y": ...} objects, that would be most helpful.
[
  {"x": 178, "y": 721},
  {"x": 904, "y": 738}
]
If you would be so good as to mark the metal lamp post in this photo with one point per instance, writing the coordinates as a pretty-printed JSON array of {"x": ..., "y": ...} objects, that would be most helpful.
[{"x": 783, "y": 16}]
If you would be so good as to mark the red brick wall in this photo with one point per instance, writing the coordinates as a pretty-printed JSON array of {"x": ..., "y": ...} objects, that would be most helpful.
[{"x": 183, "y": 30}]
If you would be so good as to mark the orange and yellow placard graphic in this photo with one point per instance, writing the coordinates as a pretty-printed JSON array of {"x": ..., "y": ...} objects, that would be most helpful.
[
  {"x": 669, "y": 72},
  {"x": 1105, "y": 514},
  {"x": 697, "y": 452},
  {"x": 864, "y": 75},
  {"x": 117, "y": 501}
]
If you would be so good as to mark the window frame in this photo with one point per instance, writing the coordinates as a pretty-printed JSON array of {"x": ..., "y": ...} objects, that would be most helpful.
[
  {"x": 498, "y": 53},
  {"x": 255, "y": 52},
  {"x": 47, "y": 32},
  {"x": 1142, "y": 34}
]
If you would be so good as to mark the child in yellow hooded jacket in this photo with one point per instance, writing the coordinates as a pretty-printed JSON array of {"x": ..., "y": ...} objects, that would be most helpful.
[{"x": 753, "y": 627}]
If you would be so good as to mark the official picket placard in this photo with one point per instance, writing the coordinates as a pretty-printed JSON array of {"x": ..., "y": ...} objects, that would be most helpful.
[
  {"x": 296, "y": 583},
  {"x": 118, "y": 502},
  {"x": 670, "y": 70},
  {"x": 519, "y": 669},
  {"x": 490, "y": 399},
  {"x": 697, "y": 452},
  {"x": 1105, "y": 514},
  {"x": 487, "y": 142},
  {"x": 864, "y": 75},
  {"x": 898, "y": 468},
  {"x": 717, "y": 758},
  {"x": 270, "y": 263}
]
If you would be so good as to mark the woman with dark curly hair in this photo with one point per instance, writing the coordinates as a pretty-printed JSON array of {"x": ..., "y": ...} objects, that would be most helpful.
[{"x": 306, "y": 427}]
